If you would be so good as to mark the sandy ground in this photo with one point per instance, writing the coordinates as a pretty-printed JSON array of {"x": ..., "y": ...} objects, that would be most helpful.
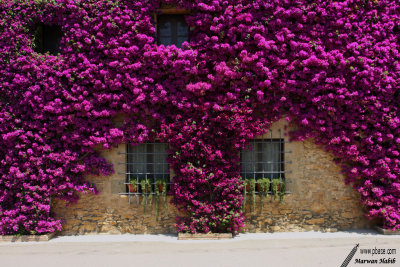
[{"x": 279, "y": 249}]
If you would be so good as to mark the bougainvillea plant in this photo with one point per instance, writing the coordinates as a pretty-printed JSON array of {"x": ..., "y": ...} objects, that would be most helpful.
[{"x": 330, "y": 67}]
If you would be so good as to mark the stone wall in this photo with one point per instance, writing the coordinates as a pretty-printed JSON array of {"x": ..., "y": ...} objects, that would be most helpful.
[
  {"x": 318, "y": 200},
  {"x": 110, "y": 212}
]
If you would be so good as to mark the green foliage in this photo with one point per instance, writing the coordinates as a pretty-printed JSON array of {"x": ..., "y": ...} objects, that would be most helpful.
[
  {"x": 263, "y": 184},
  {"x": 275, "y": 187},
  {"x": 278, "y": 189},
  {"x": 160, "y": 188},
  {"x": 147, "y": 191}
]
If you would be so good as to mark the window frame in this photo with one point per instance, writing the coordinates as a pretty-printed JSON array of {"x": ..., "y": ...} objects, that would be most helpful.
[
  {"x": 281, "y": 162},
  {"x": 169, "y": 10},
  {"x": 166, "y": 176}
]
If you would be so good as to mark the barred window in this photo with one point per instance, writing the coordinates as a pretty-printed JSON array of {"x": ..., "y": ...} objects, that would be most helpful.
[
  {"x": 172, "y": 29},
  {"x": 263, "y": 158},
  {"x": 146, "y": 162}
]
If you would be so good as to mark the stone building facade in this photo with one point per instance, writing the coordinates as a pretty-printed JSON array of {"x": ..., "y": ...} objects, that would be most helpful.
[{"x": 317, "y": 199}]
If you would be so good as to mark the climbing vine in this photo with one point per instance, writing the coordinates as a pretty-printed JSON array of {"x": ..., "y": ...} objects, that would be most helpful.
[{"x": 330, "y": 67}]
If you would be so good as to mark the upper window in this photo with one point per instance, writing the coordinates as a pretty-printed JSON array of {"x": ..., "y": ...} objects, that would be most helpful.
[
  {"x": 264, "y": 158},
  {"x": 47, "y": 39},
  {"x": 147, "y": 162},
  {"x": 172, "y": 30}
]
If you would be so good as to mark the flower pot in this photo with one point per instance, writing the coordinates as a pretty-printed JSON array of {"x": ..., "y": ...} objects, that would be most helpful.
[
  {"x": 132, "y": 188},
  {"x": 247, "y": 187},
  {"x": 261, "y": 190},
  {"x": 258, "y": 188},
  {"x": 276, "y": 185},
  {"x": 146, "y": 189},
  {"x": 263, "y": 185},
  {"x": 160, "y": 188}
]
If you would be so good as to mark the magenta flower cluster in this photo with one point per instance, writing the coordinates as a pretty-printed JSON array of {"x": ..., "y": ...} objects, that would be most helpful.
[{"x": 330, "y": 67}]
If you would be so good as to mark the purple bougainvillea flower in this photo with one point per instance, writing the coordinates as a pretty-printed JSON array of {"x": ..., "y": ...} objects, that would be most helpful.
[{"x": 248, "y": 63}]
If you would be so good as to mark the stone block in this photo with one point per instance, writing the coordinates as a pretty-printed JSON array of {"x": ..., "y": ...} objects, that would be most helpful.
[
  {"x": 386, "y": 231},
  {"x": 209, "y": 236},
  {"x": 347, "y": 215},
  {"x": 317, "y": 221},
  {"x": 275, "y": 228},
  {"x": 26, "y": 238}
]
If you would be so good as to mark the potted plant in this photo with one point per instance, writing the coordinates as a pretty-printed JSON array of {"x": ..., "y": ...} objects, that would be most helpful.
[
  {"x": 282, "y": 191},
  {"x": 160, "y": 186},
  {"x": 262, "y": 188},
  {"x": 246, "y": 189},
  {"x": 275, "y": 187},
  {"x": 251, "y": 189},
  {"x": 244, "y": 195},
  {"x": 160, "y": 189},
  {"x": 278, "y": 189},
  {"x": 145, "y": 186},
  {"x": 247, "y": 183},
  {"x": 133, "y": 186}
]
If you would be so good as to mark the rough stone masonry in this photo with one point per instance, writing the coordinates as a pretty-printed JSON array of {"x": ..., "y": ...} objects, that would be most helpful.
[{"x": 318, "y": 200}]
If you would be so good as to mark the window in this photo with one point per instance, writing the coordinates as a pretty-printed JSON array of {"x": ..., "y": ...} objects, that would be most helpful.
[
  {"x": 172, "y": 29},
  {"x": 146, "y": 162},
  {"x": 47, "y": 39},
  {"x": 264, "y": 160}
]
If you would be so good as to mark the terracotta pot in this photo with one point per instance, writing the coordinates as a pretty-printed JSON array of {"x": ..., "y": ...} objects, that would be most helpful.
[
  {"x": 132, "y": 188},
  {"x": 247, "y": 187},
  {"x": 278, "y": 189},
  {"x": 147, "y": 189},
  {"x": 160, "y": 188},
  {"x": 258, "y": 188}
]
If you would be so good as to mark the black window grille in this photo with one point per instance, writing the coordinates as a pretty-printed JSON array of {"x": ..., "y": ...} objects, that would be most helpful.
[
  {"x": 47, "y": 39},
  {"x": 263, "y": 158},
  {"x": 147, "y": 162},
  {"x": 172, "y": 30}
]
